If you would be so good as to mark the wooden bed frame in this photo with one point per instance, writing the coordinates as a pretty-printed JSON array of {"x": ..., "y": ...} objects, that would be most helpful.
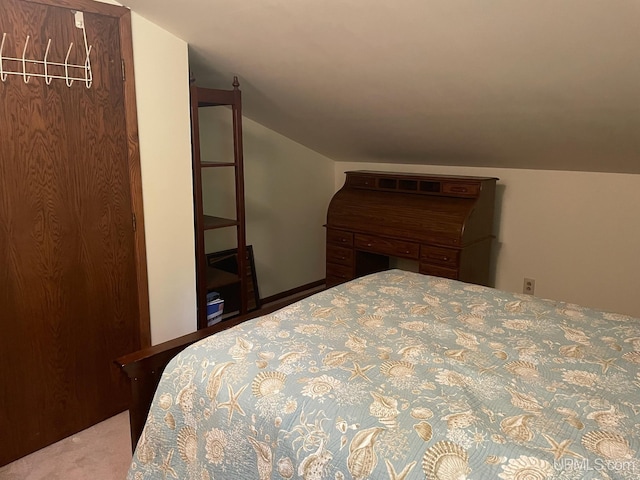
[{"x": 144, "y": 367}]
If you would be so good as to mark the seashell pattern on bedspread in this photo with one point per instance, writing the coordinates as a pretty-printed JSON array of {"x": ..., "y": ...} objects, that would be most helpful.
[{"x": 398, "y": 375}]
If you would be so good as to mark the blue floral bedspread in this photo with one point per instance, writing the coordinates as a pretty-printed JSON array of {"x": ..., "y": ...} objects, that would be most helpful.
[{"x": 403, "y": 376}]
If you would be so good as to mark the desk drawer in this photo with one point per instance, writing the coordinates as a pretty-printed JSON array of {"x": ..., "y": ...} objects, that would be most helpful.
[
  {"x": 387, "y": 246},
  {"x": 339, "y": 237},
  {"x": 447, "y": 257},
  {"x": 461, "y": 189},
  {"x": 438, "y": 271},
  {"x": 339, "y": 255},
  {"x": 342, "y": 272}
]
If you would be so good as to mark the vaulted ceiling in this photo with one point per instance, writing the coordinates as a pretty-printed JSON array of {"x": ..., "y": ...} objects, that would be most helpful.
[{"x": 538, "y": 84}]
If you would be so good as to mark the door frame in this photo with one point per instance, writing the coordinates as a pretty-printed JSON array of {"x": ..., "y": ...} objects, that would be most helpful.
[{"x": 123, "y": 15}]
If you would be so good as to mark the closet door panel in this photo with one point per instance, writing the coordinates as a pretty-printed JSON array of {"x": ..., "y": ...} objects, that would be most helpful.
[{"x": 68, "y": 285}]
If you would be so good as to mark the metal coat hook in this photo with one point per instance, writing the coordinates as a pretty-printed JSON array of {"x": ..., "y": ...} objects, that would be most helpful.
[
  {"x": 66, "y": 66},
  {"x": 45, "y": 68},
  {"x": 88, "y": 75},
  {"x": 88, "y": 79},
  {"x": 3, "y": 76},
  {"x": 47, "y": 78},
  {"x": 24, "y": 62}
]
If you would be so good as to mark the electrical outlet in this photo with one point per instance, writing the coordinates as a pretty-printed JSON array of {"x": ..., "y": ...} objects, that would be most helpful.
[{"x": 529, "y": 286}]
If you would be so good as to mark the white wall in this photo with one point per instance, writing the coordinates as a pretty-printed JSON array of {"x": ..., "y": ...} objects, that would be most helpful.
[
  {"x": 162, "y": 91},
  {"x": 577, "y": 234},
  {"x": 287, "y": 190}
]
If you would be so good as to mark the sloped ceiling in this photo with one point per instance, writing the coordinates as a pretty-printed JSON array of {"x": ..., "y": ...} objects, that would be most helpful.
[{"x": 538, "y": 84}]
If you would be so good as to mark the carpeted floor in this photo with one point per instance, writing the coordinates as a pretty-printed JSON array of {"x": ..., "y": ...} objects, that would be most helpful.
[{"x": 102, "y": 452}]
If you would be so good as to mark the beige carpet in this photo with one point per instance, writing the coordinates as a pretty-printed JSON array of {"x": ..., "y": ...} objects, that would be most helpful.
[{"x": 102, "y": 452}]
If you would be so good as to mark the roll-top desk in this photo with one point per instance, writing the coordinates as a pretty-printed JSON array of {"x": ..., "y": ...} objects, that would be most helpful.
[{"x": 445, "y": 223}]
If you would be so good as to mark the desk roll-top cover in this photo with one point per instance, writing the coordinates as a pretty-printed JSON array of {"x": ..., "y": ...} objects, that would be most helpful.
[{"x": 445, "y": 223}]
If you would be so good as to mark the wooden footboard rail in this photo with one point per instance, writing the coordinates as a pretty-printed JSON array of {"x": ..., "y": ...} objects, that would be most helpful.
[{"x": 144, "y": 367}]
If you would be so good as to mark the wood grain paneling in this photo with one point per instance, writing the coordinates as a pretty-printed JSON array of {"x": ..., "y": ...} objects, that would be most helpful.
[{"x": 69, "y": 278}]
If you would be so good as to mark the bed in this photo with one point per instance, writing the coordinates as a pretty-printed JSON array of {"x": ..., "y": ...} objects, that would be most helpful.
[{"x": 398, "y": 375}]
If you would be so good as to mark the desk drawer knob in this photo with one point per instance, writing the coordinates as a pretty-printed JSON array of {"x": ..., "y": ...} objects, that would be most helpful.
[{"x": 369, "y": 245}]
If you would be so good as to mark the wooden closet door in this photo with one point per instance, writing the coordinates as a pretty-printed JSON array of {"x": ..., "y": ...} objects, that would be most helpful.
[{"x": 68, "y": 286}]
